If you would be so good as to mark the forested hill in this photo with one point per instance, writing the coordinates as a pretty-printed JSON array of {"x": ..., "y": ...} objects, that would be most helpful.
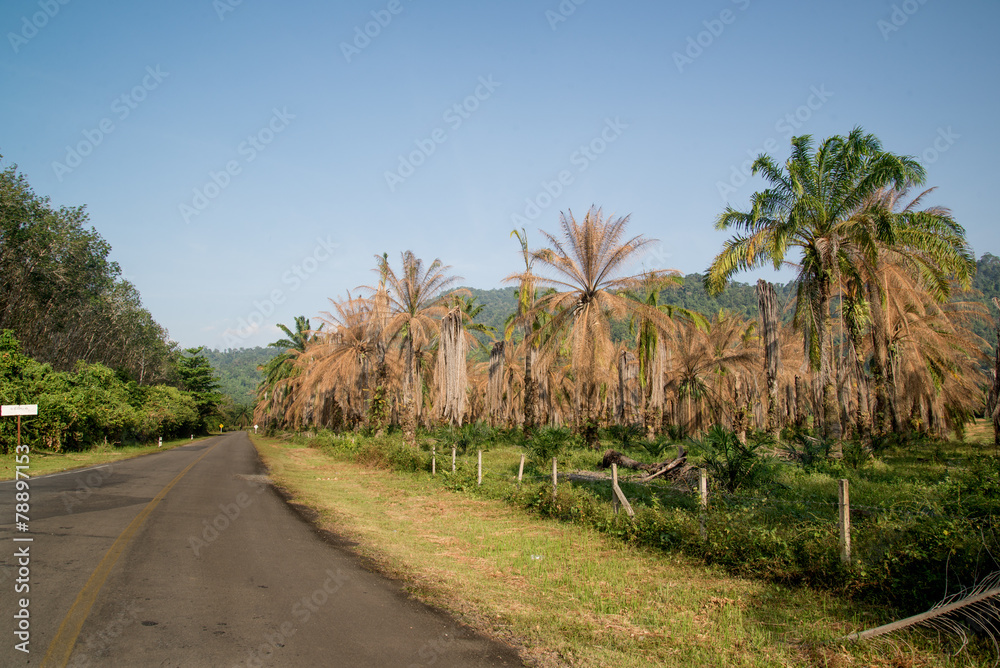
[
  {"x": 237, "y": 370},
  {"x": 742, "y": 298},
  {"x": 691, "y": 294}
]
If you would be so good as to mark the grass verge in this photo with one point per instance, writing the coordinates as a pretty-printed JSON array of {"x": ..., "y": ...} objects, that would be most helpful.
[
  {"x": 43, "y": 462},
  {"x": 568, "y": 595}
]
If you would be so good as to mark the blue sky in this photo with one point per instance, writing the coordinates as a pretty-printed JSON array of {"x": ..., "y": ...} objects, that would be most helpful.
[{"x": 247, "y": 160}]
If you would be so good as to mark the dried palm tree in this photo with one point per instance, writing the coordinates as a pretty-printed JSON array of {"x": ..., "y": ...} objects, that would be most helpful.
[
  {"x": 587, "y": 262},
  {"x": 414, "y": 305}
]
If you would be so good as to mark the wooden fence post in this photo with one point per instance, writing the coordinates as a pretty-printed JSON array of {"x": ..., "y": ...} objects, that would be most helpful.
[
  {"x": 844, "y": 502},
  {"x": 520, "y": 470},
  {"x": 614, "y": 486},
  {"x": 433, "y": 460},
  {"x": 479, "y": 469},
  {"x": 555, "y": 476},
  {"x": 617, "y": 495},
  {"x": 703, "y": 501},
  {"x": 453, "y": 459}
]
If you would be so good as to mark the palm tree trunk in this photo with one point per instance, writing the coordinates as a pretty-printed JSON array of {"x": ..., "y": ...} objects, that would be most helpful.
[
  {"x": 768, "y": 304},
  {"x": 828, "y": 386},
  {"x": 530, "y": 390}
]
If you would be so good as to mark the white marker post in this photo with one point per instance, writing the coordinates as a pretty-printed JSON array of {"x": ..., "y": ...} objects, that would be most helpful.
[{"x": 18, "y": 409}]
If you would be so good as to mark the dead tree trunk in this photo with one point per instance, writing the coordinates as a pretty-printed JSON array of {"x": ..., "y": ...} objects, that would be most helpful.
[
  {"x": 452, "y": 378},
  {"x": 495, "y": 384}
]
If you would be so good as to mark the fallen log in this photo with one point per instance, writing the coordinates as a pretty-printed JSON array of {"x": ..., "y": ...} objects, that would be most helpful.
[{"x": 653, "y": 470}]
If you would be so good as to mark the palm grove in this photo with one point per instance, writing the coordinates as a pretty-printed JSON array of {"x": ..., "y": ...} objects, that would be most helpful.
[{"x": 878, "y": 338}]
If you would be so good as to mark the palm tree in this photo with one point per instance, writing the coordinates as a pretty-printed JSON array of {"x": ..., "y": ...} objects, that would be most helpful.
[
  {"x": 274, "y": 391},
  {"x": 815, "y": 204},
  {"x": 414, "y": 308},
  {"x": 929, "y": 250},
  {"x": 587, "y": 262}
]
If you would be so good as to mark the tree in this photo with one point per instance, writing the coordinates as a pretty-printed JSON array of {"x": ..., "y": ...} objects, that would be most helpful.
[
  {"x": 199, "y": 379},
  {"x": 815, "y": 204},
  {"x": 588, "y": 261},
  {"x": 414, "y": 306}
]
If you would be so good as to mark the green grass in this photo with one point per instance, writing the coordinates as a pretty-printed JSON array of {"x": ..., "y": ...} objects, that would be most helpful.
[
  {"x": 565, "y": 592},
  {"x": 42, "y": 462}
]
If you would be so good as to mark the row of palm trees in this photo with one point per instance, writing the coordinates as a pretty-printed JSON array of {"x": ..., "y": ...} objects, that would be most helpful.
[{"x": 873, "y": 342}]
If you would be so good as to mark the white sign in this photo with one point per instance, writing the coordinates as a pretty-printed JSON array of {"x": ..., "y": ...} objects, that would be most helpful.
[{"x": 19, "y": 409}]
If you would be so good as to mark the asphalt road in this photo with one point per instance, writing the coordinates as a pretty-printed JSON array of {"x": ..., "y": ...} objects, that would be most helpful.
[{"x": 189, "y": 558}]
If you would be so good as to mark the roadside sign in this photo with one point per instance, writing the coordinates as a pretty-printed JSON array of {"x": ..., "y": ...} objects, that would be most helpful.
[{"x": 18, "y": 409}]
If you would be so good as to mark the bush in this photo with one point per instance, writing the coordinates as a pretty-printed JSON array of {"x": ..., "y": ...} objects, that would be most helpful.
[
  {"x": 734, "y": 464},
  {"x": 549, "y": 442}
]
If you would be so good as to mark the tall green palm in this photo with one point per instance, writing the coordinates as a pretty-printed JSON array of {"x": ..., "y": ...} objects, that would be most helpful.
[
  {"x": 816, "y": 205},
  {"x": 273, "y": 393}
]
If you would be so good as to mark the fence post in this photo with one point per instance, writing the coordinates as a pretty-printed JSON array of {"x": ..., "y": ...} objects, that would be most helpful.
[
  {"x": 453, "y": 459},
  {"x": 617, "y": 495},
  {"x": 614, "y": 486},
  {"x": 844, "y": 502},
  {"x": 433, "y": 460},
  {"x": 555, "y": 476},
  {"x": 479, "y": 469},
  {"x": 520, "y": 469},
  {"x": 703, "y": 494}
]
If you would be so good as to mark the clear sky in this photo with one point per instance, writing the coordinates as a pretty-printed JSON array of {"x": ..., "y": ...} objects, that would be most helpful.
[{"x": 248, "y": 159}]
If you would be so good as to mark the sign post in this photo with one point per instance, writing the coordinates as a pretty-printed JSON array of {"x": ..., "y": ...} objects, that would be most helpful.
[{"x": 18, "y": 410}]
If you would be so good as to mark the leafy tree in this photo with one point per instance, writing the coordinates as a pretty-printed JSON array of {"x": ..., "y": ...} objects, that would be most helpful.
[{"x": 199, "y": 379}]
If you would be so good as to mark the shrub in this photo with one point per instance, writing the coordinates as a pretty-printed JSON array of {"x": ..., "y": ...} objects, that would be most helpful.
[{"x": 734, "y": 464}]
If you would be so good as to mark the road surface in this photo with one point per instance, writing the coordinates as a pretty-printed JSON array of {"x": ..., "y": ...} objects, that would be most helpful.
[{"x": 189, "y": 558}]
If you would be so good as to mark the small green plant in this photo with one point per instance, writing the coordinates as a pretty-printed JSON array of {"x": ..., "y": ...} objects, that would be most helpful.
[
  {"x": 801, "y": 446},
  {"x": 856, "y": 454},
  {"x": 734, "y": 464},
  {"x": 549, "y": 442}
]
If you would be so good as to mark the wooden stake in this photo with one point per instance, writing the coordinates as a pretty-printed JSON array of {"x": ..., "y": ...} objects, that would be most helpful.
[
  {"x": 845, "y": 521},
  {"x": 618, "y": 498},
  {"x": 703, "y": 493},
  {"x": 433, "y": 460},
  {"x": 479, "y": 469},
  {"x": 555, "y": 475},
  {"x": 452, "y": 459},
  {"x": 520, "y": 470}
]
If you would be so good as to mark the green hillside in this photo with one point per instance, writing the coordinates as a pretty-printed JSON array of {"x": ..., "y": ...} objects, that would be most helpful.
[{"x": 237, "y": 370}]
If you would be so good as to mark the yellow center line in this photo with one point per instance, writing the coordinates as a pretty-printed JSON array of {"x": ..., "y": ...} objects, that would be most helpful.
[{"x": 62, "y": 645}]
